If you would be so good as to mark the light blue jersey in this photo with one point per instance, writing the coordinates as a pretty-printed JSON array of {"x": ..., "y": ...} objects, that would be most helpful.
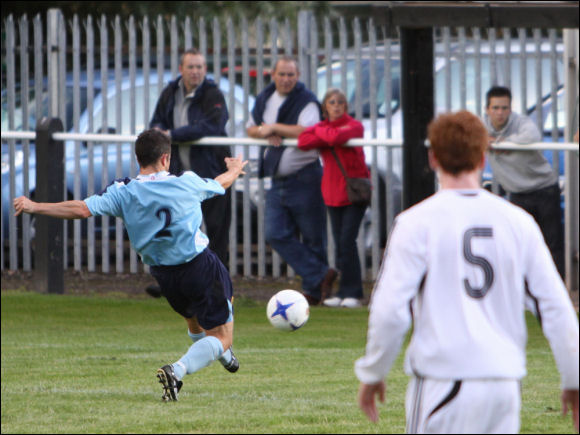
[{"x": 162, "y": 214}]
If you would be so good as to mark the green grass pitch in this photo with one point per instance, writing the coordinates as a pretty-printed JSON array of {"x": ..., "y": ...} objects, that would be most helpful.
[{"x": 79, "y": 364}]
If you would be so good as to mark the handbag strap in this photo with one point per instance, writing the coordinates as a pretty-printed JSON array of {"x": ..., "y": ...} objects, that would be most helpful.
[{"x": 339, "y": 163}]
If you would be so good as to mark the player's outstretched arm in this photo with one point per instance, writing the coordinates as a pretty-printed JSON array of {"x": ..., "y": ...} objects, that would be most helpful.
[
  {"x": 235, "y": 167},
  {"x": 63, "y": 210},
  {"x": 366, "y": 399},
  {"x": 570, "y": 402}
]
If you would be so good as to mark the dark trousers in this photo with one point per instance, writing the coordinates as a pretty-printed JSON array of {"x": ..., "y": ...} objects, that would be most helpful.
[
  {"x": 345, "y": 222},
  {"x": 544, "y": 206},
  {"x": 217, "y": 215}
]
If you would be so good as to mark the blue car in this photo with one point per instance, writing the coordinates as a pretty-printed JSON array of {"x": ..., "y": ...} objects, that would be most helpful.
[{"x": 119, "y": 157}]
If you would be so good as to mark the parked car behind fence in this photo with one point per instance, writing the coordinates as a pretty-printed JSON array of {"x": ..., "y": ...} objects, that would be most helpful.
[
  {"x": 455, "y": 89},
  {"x": 89, "y": 167}
]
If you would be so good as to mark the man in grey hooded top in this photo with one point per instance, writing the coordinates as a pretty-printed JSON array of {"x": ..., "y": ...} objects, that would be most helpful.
[{"x": 526, "y": 176}]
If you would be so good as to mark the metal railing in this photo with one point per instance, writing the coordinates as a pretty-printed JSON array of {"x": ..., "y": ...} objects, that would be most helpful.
[
  {"x": 120, "y": 138},
  {"x": 250, "y": 199},
  {"x": 248, "y": 246}
]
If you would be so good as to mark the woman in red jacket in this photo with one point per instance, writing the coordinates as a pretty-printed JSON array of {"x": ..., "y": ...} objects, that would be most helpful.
[{"x": 345, "y": 218}]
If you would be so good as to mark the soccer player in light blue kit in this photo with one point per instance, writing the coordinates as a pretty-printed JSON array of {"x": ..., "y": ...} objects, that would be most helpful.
[{"x": 162, "y": 214}]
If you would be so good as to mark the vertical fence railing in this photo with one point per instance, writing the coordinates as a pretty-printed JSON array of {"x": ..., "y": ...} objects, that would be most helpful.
[
  {"x": 10, "y": 72},
  {"x": 571, "y": 163},
  {"x": 113, "y": 72},
  {"x": 76, "y": 126},
  {"x": 260, "y": 236},
  {"x": 90, "y": 38},
  {"x": 231, "y": 56}
]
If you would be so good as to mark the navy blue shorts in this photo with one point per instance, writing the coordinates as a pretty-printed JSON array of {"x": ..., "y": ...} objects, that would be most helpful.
[{"x": 200, "y": 288}]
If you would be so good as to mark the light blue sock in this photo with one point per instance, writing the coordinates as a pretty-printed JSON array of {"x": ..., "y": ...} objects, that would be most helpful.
[
  {"x": 195, "y": 337},
  {"x": 200, "y": 354},
  {"x": 225, "y": 358}
]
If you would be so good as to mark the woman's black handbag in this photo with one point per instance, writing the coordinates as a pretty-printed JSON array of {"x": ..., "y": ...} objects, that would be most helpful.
[{"x": 358, "y": 190}]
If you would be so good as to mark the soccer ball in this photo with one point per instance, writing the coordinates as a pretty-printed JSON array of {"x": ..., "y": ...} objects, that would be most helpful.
[{"x": 288, "y": 310}]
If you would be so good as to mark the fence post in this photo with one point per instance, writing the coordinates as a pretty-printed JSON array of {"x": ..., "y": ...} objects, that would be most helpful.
[
  {"x": 417, "y": 87},
  {"x": 49, "y": 266},
  {"x": 52, "y": 32},
  {"x": 572, "y": 186},
  {"x": 303, "y": 46}
]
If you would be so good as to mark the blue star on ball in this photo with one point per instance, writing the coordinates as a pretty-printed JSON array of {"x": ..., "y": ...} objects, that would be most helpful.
[{"x": 281, "y": 309}]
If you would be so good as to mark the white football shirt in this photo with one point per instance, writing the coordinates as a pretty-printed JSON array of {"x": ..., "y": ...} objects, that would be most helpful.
[{"x": 459, "y": 264}]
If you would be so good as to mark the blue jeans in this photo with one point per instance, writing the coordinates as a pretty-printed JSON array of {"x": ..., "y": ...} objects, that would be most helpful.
[
  {"x": 294, "y": 206},
  {"x": 345, "y": 222}
]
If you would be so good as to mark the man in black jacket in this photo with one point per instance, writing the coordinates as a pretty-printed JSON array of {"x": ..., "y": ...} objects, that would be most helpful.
[{"x": 189, "y": 108}]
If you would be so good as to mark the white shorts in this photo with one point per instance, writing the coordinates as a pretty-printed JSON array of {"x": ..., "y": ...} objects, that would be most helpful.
[{"x": 467, "y": 406}]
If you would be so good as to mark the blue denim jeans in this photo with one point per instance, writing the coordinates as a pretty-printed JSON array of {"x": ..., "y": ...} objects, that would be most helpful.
[
  {"x": 294, "y": 207},
  {"x": 345, "y": 222}
]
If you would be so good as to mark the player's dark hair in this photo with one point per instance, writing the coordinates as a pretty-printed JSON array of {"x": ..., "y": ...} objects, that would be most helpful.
[
  {"x": 497, "y": 91},
  {"x": 150, "y": 146},
  {"x": 458, "y": 141}
]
